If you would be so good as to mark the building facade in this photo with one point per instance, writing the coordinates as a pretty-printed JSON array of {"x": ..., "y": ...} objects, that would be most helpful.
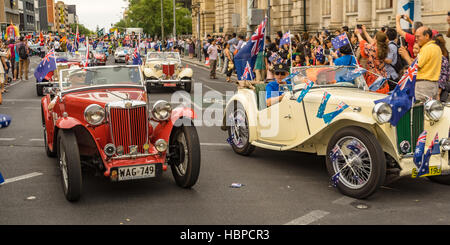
[
  {"x": 9, "y": 13},
  {"x": 61, "y": 18},
  {"x": 230, "y": 16},
  {"x": 27, "y": 16}
]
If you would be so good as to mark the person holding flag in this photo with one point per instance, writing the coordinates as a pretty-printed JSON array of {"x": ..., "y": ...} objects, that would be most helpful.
[{"x": 249, "y": 52}]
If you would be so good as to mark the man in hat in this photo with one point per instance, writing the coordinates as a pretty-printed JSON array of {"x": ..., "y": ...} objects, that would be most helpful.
[{"x": 273, "y": 93}]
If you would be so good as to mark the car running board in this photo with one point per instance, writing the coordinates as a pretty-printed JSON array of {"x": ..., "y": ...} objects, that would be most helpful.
[{"x": 268, "y": 145}]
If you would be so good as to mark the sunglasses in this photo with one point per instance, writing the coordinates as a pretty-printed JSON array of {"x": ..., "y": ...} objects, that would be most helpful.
[{"x": 280, "y": 73}]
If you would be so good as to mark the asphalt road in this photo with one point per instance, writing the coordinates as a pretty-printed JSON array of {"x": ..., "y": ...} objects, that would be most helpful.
[{"x": 278, "y": 187}]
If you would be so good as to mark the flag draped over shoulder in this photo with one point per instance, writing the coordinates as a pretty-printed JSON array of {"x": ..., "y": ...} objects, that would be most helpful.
[{"x": 249, "y": 52}]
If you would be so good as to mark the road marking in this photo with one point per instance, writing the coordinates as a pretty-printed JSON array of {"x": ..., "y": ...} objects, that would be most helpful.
[
  {"x": 214, "y": 144},
  {"x": 344, "y": 200},
  {"x": 309, "y": 218},
  {"x": 22, "y": 100},
  {"x": 7, "y": 139},
  {"x": 41, "y": 140},
  {"x": 27, "y": 176}
]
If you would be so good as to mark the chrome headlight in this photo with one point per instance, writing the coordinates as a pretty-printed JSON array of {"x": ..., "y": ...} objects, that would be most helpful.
[
  {"x": 94, "y": 114},
  {"x": 445, "y": 144},
  {"x": 382, "y": 113},
  {"x": 161, "y": 145},
  {"x": 434, "y": 110},
  {"x": 161, "y": 110},
  {"x": 109, "y": 150}
]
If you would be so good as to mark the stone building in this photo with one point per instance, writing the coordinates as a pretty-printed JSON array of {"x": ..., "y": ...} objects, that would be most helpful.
[
  {"x": 9, "y": 13},
  {"x": 217, "y": 17}
]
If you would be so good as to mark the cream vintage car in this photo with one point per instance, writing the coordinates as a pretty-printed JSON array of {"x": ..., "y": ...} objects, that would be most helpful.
[
  {"x": 370, "y": 151},
  {"x": 164, "y": 69}
]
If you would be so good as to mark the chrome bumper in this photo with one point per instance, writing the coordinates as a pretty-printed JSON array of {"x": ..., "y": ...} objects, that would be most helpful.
[{"x": 182, "y": 81}]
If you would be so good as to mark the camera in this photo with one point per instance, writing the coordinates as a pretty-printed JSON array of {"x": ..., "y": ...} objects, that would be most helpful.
[
  {"x": 403, "y": 41},
  {"x": 359, "y": 26}
]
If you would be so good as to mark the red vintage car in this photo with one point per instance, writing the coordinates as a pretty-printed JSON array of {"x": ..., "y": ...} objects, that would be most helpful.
[{"x": 99, "y": 117}]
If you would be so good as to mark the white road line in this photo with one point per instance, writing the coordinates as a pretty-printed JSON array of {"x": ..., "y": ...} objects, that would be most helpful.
[
  {"x": 7, "y": 139},
  {"x": 27, "y": 176},
  {"x": 214, "y": 144},
  {"x": 344, "y": 200},
  {"x": 309, "y": 218},
  {"x": 40, "y": 140},
  {"x": 21, "y": 100}
]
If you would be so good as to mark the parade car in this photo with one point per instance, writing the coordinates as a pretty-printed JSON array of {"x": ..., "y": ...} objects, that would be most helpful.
[
  {"x": 120, "y": 54},
  {"x": 100, "y": 56},
  {"x": 100, "y": 118},
  {"x": 340, "y": 120},
  {"x": 164, "y": 69},
  {"x": 64, "y": 60}
]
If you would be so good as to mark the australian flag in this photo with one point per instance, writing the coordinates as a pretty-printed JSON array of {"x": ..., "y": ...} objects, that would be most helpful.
[
  {"x": 248, "y": 73},
  {"x": 403, "y": 96},
  {"x": 308, "y": 87},
  {"x": 47, "y": 65},
  {"x": 5, "y": 120},
  {"x": 323, "y": 104},
  {"x": 420, "y": 148},
  {"x": 340, "y": 41},
  {"x": 249, "y": 52},
  {"x": 1, "y": 179},
  {"x": 137, "y": 57},
  {"x": 286, "y": 39},
  {"x": 327, "y": 118}
]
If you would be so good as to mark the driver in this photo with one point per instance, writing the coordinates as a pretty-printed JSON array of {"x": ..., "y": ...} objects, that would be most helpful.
[
  {"x": 77, "y": 78},
  {"x": 273, "y": 93}
]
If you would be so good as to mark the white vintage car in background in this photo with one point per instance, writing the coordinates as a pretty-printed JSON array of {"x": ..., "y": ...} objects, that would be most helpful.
[
  {"x": 164, "y": 69},
  {"x": 363, "y": 150}
]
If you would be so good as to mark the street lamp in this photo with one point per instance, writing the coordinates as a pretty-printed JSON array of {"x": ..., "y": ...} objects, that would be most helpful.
[
  {"x": 162, "y": 22},
  {"x": 174, "y": 21}
]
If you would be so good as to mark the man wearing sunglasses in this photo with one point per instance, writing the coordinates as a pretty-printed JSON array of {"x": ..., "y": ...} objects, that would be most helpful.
[{"x": 273, "y": 93}]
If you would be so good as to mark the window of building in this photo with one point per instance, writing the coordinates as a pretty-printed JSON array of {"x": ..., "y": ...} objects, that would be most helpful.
[
  {"x": 326, "y": 7},
  {"x": 352, "y": 6},
  {"x": 385, "y": 4}
]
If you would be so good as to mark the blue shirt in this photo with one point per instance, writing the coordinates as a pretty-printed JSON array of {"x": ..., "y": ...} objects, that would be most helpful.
[
  {"x": 346, "y": 60},
  {"x": 273, "y": 90}
]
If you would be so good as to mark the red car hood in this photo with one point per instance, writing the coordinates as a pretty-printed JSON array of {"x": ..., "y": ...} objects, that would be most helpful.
[{"x": 102, "y": 97}]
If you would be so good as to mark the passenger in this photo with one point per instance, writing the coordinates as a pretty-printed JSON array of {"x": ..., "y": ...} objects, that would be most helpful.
[{"x": 273, "y": 93}]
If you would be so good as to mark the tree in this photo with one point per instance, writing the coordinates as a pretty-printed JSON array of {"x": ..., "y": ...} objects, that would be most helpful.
[
  {"x": 146, "y": 14},
  {"x": 81, "y": 29}
]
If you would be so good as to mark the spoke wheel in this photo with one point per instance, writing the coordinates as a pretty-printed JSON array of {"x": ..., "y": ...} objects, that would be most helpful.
[
  {"x": 239, "y": 132},
  {"x": 357, "y": 159},
  {"x": 69, "y": 165},
  {"x": 186, "y": 165}
]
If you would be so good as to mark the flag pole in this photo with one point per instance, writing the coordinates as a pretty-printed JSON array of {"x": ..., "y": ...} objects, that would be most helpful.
[{"x": 290, "y": 49}]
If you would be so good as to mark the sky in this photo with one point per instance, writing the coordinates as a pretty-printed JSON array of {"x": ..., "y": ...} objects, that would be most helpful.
[{"x": 98, "y": 12}]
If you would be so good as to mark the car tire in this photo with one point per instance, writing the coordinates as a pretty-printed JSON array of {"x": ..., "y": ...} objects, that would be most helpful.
[
  {"x": 186, "y": 172},
  {"x": 441, "y": 179},
  {"x": 371, "y": 159},
  {"x": 188, "y": 87},
  {"x": 70, "y": 165},
  {"x": 240, "y": 145},
  {"x": 40, "y": 90}
]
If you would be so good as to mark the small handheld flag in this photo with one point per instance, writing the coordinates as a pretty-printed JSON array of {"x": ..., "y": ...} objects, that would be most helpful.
[
  {"x": 420, "y": 148},
  {"x": 286, "y": 39},
  {"x": 340, "y": 41},
  {"x": 247, "y": 73}
]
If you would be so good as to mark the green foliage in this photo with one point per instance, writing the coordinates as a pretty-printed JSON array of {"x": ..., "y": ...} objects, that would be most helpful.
[
  {"x": 81, "y": 29},
  {"x": 146, "y": 14}
]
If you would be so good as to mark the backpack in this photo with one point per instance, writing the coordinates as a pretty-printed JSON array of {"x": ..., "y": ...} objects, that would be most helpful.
[
  {"x": 401, "y": 63},
  {"x": 23, "y": 52}
]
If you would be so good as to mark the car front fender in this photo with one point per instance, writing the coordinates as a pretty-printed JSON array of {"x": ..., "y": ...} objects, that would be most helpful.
[
  {"x": 186, "y": 73},
  {"x": 67, "y": 123},
  {"x": 180, "y": 116}
]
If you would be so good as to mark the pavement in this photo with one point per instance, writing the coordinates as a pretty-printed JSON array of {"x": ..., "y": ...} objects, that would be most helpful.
[{"x": 277, "y": 187}]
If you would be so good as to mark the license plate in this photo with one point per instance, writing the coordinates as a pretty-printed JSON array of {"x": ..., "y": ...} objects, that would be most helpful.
[
  {"x": 434, "y": 170},
  {"x": 137, "y": 172},
  {"x": 170, "y": 84}
]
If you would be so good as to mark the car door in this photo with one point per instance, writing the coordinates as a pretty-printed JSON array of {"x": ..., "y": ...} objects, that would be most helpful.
[{"x": 283, "y": 123}]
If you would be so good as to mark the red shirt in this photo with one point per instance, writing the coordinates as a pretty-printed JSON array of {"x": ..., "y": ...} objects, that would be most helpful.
[{"x": 410, "y": 39}]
